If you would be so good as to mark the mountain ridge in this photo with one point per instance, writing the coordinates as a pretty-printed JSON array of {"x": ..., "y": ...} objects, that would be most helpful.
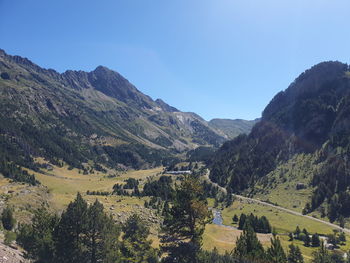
[
  {"x": 310, "y": 117},
  {"x": 98, "y": 116}
]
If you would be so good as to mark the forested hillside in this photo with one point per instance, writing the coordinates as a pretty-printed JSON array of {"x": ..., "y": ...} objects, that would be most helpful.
[
  {"x": 311, "y": 116},
  {"x": 95, "y": 117}
]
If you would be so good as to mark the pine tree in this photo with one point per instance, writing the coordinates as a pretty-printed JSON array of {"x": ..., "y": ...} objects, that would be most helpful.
[
  {"x": 235, "y": 219},
  {"x": 101, "y": 235},
  {"x": 341, "y": 221},
  {"x": 70, "y": 234},
  {"x": 315, "y": 240},
  {"x": 37, "y": 238},
  {"x": 136, "y": 190},
  {"x": 136, "y": 247},
  {"x": 83, "y": 234},
  {"x": 265, "y": 225},
  {"x": 95, "y": 221},
  {"x": 111, "y": 244},
  {"x": 334, "y": 208},
  {"x": 295, "y": 255},
  {"x": 342, "y": 237},
  {"x": 7, "y": 219},
  {"x": 322, "y": 255},
  {"x": 336, "y": 257},
  {"x": 242, "y": 221},
  {"x": 291, "y": 237},
  {"x": 166, "y": 209},
  {"x": 307, "y": 239},
  {"x": 297, "y": 232},
  {"x": 184, "y": 227},
  {"x": 275, "y": 253},
  {"x": 229, "y": 198},
  {"x": 248, "y": 245}
]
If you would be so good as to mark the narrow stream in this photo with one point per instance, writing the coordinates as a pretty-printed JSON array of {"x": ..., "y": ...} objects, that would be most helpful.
[{"x": 217, "y": 220}]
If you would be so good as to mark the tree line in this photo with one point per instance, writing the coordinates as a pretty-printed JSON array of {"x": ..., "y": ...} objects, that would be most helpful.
[
  {"x": 258, "y": 224},
  {"x": 85, "y": 233}
]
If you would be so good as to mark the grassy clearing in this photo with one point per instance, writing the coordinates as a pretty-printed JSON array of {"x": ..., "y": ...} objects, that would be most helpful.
[
  {"x": 64, "y": 183},
  {"x": 279, "y": 187},
  {"x": 306, "y": 251},
  {"x": 282, "y": 222},
  {"x": 23, "y": 198},
  {"x": 224, "y": 239}
]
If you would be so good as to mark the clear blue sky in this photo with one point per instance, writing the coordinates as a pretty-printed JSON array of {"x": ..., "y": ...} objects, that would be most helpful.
[{"x": 218, "y": 58}]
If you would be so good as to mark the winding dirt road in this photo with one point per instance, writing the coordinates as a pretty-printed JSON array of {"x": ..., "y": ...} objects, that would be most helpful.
[{"x": 346, "y": 230}]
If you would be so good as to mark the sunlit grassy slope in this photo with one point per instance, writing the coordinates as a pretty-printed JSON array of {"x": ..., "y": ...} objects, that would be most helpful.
[
  {"x": 280, "y": 186},
  {"x": 64, "y": 183},
  {"x": 224, "y": 238},
  {"x": 283, "y": 222}
]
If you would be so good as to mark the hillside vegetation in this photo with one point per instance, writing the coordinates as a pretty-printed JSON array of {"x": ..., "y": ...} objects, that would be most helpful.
[
  {"x": 89, "y": 119},
  {"x": 310, "y": 117}
]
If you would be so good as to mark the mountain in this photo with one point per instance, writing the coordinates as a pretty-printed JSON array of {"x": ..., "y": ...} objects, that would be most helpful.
[
  {"x": 95, "y": 117},
  {"x": 310, "y": 118},
  {"x": 232, "y": 128}
]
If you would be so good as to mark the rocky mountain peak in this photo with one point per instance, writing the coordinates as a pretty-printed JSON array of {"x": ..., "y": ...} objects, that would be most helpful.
[
  {"x": 164, "y": 106},
  {"x": 318, "y": 79}
]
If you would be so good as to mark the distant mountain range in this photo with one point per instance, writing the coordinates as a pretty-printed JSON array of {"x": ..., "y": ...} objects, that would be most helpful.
[
  {"x": 232, "y": 128},
  {"x": 98, "y": 116},
  {"x": 304, "y": 132}
]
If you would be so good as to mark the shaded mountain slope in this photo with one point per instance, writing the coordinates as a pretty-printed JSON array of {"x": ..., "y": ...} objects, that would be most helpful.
[{"x": 311, "y": 116}]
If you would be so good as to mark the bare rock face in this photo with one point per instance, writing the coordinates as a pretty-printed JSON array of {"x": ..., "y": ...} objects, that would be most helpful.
[
  {"x": 164, "y": 106},
  {"x": 11, "y": 255}
]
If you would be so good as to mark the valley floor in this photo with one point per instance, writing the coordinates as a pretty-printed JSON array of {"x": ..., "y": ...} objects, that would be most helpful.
[
  {"x": 283, "y": 223},
  {"x": 60, "y": 186}
]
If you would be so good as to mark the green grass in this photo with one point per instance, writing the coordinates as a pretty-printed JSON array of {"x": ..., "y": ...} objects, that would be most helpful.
[
  {"x": 211, "y": 202},
  {"x": 306, "y": 251},
  {"x": 224, "y": 239},
  {"x": 283, "y": 222},
  {"x": 279, "y": 187},
  {"x": 23, "y": 198},
  {"x": 64, "y": 183},
  {"x": 9, "y": 237}
]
